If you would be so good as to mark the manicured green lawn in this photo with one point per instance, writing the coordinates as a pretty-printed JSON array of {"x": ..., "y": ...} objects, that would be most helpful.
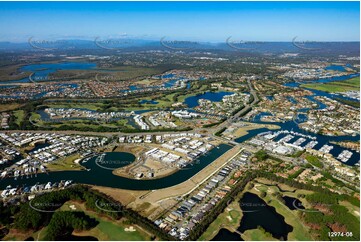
[
  {"x": 233, "y": 211},
  {"x": 313, "y": 160},
  {"x": 300, "y": 231},
  {"x": 108, "y": 229},
  {"x": 351, "y": 208},
  {"x": 66, "y": 163},
  {"x": 257, "y": 235},
  {"x": 229, "y": 219},
  {"x": 116, "y": 232},
  {"x": 339, "y": 86},
  {"x": 19, "y": 116},
  {"x": 90, "y": 106}
]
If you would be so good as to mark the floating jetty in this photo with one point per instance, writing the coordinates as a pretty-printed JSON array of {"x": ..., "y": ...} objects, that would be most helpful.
[
  {"x": 311, "y": 144},
  {"x": 299, "y": 141},
  {"x": 286, "y": 138},
  {"x": 326, "y": 148},
  {"x": 345, "y": 155}
]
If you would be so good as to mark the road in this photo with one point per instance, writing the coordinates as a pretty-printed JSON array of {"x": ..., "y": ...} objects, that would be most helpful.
[{"x": 236, "y": 116}]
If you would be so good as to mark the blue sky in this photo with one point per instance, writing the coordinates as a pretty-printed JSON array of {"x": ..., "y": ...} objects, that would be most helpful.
[{"x": 199, "y": 21}]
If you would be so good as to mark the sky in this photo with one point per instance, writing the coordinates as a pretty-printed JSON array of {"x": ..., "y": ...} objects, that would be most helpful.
[{"x": 196, "y": 21}]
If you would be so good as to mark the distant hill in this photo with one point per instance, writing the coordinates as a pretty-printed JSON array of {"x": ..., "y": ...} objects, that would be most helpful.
[{"x": 334, "y": 48}]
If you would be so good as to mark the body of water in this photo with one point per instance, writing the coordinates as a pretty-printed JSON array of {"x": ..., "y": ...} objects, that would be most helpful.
[
  {"x": 293, "y": 126},
  {"x": 325, "y": 80},
  {"x": 212, "y": 96},
  {"x": 11, "y": 162},
  {"x": 144, "y": 101},
  {"x": 256, "y": 213},
  {"x": 293, "y": 203},
  {"x": 335, "y": 68},
  {"x": 251, "y": 134},
  {"x": 269, "y": 97},
  {"x": 322, "y": 139},
  {"x": 292, "y": 100},
  {"x": 104, "y": 177},
  {"x": 226, "y": 235},
  {"x": 39, "y": 146},
  {"x": 41, "y": 71}
]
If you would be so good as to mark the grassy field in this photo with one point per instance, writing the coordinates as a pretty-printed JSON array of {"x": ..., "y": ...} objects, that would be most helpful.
[
  {"x": 231, "y": 217},
  {"x": 257, "y": 235},
  {"x": 66, "y": 163},
  {"x": 108, "y": 229},
  {"x": 10, "y": 106},
  {"x": 162, "y": 102},
  {"x": 12, "y": 72},
  {"x": 120, "y": 73},
  {"x": 19, "y": 116},
  {"x": 90, "y": 106},
  {"x": 313, "y": 160},
  {"x": 300, "y": 231},
  {"x": 339, "y": 86},
  {"x": 351, "y": 208}
]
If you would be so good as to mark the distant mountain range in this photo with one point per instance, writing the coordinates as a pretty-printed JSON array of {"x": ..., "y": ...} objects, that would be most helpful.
[{"x": 345, "y": 48}]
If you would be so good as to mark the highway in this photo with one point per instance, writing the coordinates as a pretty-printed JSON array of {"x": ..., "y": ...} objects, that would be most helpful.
[{"x": 236, "y": 116}]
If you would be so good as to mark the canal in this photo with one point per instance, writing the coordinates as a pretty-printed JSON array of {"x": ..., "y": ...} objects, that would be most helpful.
[{"x": 96, "y": 175}]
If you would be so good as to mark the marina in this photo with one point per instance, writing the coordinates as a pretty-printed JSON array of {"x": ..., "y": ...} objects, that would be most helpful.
[
  {"x": 312, "y": 141},
  {"x": 96, "y": 174}
]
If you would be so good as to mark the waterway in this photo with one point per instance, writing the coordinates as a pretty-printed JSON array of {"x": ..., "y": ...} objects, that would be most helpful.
[
  {"x": 256, "y": 213},
  {"x": 250, "y": 134},
  {"x": 325, "y": 80},
  {"x": 293, "y": 125},
  {"x": 144, "y": 101},
  {"x": 322, "y": 139},
  {"x": 212, "y": 96},
  {"x": 41, "y": 71},
  {"x": 335, "y": 68},
  {"x": 104, "y": 177},
  {"x": 226, "y": 235},
  {"x": 39, "y": 146},
  {"x": 293, "y": 203}
]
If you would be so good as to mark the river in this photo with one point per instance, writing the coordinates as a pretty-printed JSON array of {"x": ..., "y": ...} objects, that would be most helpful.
[{"x": 104, "y": 177}]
